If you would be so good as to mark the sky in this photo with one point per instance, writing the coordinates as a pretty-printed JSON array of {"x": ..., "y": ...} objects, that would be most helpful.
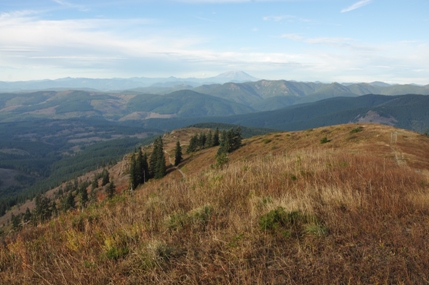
[{"x": 302, "y": 40}]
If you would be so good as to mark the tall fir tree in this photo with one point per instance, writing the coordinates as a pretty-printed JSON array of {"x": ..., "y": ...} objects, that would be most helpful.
[
  {"x": 110, "y": 190},
  {"x": 83, "y": 196},
  {"x": 202, "y": 138},
  {"x": 158, "y": 167},
  {"x": 193, "y": 144},
  {"x": 178, "y": 154},
  {"x": 145, "y": 168},
  {"x": 133, "y": 178},
  {"x": 138, "y": 170},
  {"x": 209, "y": 142},
  {"x": 105, "y": 177},
  {"x": 216, "y": 139}
]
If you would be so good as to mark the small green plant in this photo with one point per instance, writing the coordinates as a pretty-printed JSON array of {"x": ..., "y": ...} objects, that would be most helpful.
[
  {"x": 266, "y": 141},
  {"x": 117, "y": 252},
  {"x": 356, "y": 130},
  {"x": 177, "y": 220},
  {"x": 291, "y": 224},
  {"x": 324, "y": 140},
  {"x": 201, "y": 215}
]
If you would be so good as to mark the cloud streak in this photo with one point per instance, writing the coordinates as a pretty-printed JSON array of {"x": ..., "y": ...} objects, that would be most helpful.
[{"x": 356, "y": 5}]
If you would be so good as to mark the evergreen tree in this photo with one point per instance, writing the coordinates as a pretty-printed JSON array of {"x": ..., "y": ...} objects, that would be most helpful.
[
  {"x": 209, "y": 142},
  {"x": 230, "y": 140},
  {"x": 177, "y": 154},
  {"x": 138, "y": 169},
  {"x": 69, "y": 202},
  {"x": 145, "y": 168},
  {"x": 94, "y": 184},
  {"x": 110, "y": 190},
  {"x": 236, "y": 139},
  {"x": 16, "y": 221},
  {"x": 202, "y": 138},
  {"x": 158, "y": 167},
  {"x": 133, "y": 177},
  {"x": 216, "y": 140},
  {"x": 105, "y": 177},
  {"x": 83, "y": 196},
  {"x": 224, "y": 143},
  {"x": 27, "y": 215},
  {"x": 193, "y": 144},
  {"x": 43, "y": 210}
]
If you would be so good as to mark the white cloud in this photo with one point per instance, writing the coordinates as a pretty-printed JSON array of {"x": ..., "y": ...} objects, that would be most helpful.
[{"x": 356, "y": 5}]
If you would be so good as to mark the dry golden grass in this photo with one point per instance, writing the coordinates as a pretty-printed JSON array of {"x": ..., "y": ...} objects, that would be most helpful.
[{"x": 361, "y": 218}]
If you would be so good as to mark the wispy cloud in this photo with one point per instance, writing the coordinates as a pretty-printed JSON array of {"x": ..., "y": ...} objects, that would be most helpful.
[
  {"x": 294, "y": 37},
  {"x": 71, "y": 5},
  {"x": 356, "y": 5},
  {"x": 289, "y": 18}
]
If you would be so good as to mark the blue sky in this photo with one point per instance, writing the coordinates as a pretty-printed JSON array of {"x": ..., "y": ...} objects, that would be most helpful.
[{"x": 303, "y": 40}]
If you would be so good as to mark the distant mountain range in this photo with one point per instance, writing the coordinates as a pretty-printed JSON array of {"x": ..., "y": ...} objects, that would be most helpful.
[{"x": 117, "y": 84}]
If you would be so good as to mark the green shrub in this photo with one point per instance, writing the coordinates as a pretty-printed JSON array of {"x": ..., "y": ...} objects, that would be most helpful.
[
  {"x": 324, "y": 140},
  {"x": 356, "y": 130},
  {"x": 117, "y": 252},
  {"x": 291, "y": 224}
]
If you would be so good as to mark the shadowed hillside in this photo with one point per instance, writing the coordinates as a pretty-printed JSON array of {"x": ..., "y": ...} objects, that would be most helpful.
[{"x": 345, "y": 204}]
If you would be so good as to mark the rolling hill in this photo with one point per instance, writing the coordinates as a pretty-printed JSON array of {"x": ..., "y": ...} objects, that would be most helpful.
[
  {"x": 288, "y": 207},
  {"x": 405, "y": 111}
]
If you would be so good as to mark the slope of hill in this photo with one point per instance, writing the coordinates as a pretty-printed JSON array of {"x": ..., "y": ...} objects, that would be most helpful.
[
  {"x": 186, "y": 103},
  {"x": 334, "y": 205},
  {"x": 113, "y": 106},
  {"x": 406, "y": 111}
]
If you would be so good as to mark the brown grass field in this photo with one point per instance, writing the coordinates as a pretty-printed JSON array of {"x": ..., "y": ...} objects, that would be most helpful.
[{"x": 286, "y": 209}]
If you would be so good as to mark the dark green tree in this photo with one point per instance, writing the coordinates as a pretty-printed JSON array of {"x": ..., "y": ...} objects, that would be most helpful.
[
  {"x": 16, "y": 221},
  {"x": 83, "y": 196},
  {"x": 110, "y": 190},
  {"x": 158, "y": 167},
  {"x": 193, "y": 144},
  {"x": 94, "y": 184},
  {"x": 44, "y": 209},
  {"x": 202, "y": 138},
  {"x": 209, "y": 142},
  {"x": 105, "y": 177},
  {"x": 178, "y": 154},
  {"x": 133, "y": 176},
  {"x": 27, "y": 215},
  {"x": 216, "y": 139},
  {"x": 69, "y": 202},
  {"x": 145, "y": 168},
  {"x": 138, "y": 169},
  {"x": 224, "y": 143}
]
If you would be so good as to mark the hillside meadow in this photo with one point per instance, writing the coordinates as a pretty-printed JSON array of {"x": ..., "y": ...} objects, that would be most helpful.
[{"x": 346, "y": 204}]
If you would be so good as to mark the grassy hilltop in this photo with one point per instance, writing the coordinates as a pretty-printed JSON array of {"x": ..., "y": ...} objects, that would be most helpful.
[{"x": 345, "y": 204}]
